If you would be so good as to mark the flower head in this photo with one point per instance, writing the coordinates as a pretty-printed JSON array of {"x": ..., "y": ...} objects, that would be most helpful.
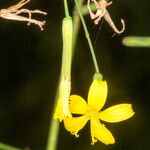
[
  {"x": 62, "y": 109},
  {"x": 92, "y": 111}
]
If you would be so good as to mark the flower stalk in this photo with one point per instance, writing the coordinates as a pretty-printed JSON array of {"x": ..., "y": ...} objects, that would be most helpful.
[
  {"x": 66, "y": 8},
  {"x": 88, "y": 37}
]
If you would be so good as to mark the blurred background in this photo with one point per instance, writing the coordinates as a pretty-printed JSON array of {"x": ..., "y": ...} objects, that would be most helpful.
[{"x": 30, "y": 63}]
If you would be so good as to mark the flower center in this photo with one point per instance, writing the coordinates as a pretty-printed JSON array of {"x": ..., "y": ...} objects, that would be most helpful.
[{"x": 92, "y": 113}]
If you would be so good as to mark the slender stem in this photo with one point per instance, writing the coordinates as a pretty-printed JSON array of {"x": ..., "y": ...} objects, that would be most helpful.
[
  {"x": 88, "y": 37},
  {"x": 76, "y": 25},
  {"x": 53, "y": 135},
  {"x": 54, "y": 127},
  {"x": 66, "y": 8}
]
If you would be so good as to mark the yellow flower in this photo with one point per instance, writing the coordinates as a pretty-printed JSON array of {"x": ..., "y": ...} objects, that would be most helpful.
[
  {"x": 92, "y": 111},
  {"x": 62, "y": 109}
]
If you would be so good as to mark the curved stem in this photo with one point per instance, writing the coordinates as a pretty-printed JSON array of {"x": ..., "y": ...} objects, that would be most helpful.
[
  {"x": 66, "y": 8},
  {"x": 88, "y": 37},
  {"x": 76, "y": 24}
]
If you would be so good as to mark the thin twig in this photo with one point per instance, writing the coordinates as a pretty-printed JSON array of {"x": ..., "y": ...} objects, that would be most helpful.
[{"x": 14, "y": 13}]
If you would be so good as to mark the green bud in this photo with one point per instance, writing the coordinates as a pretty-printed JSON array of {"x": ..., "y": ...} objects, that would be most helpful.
[
  {"x": 67, "y": 33},
  {"x": 136, "y": 41},
  {"x": 62, "y": 110}
]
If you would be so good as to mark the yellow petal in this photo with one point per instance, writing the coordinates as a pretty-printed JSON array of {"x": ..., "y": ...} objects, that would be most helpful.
[
  {"x": 117, "y": 113},
  {"x": 101, "y": 133},
  {"x": 75, "y": 124},
  {"x": 77, "y": 105},
  {"x": 64, "y": 93},
  {"x": 97, "y": 94},
  {"x": 58, "y": 112}
]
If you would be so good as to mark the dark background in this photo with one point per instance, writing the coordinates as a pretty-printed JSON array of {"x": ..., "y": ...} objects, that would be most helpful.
[{"x": 30, "y": 63}]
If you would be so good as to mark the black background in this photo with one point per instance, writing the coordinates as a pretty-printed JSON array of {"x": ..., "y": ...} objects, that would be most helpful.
[{"x": 30, "y": 63}]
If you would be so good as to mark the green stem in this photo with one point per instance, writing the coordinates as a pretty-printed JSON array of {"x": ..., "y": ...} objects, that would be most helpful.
[
  {"x": 76, "y": 19},
  {"x": 66, "y": 8},
  {"x": 76, "y": 25},
  {"x": 53, "y": 135},
  {"x": 88, "y": 37},
  {"x": 8, "y": 147},
  {"x": 54, "y": 126}
]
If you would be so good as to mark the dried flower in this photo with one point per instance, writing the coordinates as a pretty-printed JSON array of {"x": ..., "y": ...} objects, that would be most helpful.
[{"x": 13, "y": 13}]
